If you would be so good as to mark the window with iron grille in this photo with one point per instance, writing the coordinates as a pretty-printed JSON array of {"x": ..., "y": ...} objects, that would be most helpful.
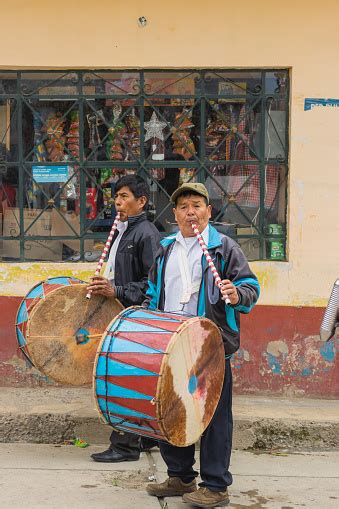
[{"x": 66, "y": 137}]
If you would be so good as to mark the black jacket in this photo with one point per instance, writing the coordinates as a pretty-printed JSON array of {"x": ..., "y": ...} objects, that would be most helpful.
[{"x": 134, "y": 258}]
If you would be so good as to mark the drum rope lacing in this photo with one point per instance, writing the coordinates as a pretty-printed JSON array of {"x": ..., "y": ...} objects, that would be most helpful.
[
  {"x": 111, "y": 341},
  {"x": 140, "y": 422},
  {"x": 106, "y": 375},
  {"x": 108, "y": 413},
  {"x": 112, "y": 336}
]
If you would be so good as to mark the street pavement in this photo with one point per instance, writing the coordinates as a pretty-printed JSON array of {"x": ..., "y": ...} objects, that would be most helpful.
[{"x": 64, "y": 477}]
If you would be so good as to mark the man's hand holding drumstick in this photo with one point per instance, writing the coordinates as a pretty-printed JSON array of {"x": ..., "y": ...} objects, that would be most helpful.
[
  {"x": 101, "y": 286},
  {"x": 228, "y": 289}
]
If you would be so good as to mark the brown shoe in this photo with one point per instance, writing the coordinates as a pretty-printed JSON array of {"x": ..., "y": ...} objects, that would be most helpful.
[
  {"x": 204, "y": 497},
  {"x": 172, "y": 487}
]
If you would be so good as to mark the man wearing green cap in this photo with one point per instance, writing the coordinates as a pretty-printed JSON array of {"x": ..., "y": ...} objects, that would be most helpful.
[{"x": 180, "y": 280}]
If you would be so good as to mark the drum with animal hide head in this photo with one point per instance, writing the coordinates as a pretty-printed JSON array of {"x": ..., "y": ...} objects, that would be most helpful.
[
  {"x": 63, "y": 331},
  {"x": 159, "y": 374}
]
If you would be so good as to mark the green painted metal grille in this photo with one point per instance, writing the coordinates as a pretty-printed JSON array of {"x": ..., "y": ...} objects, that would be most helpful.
[{"x": 66, "y": 136}]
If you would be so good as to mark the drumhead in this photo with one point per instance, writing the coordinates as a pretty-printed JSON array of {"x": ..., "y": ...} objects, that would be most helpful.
[
  {"x": 192, "y": 376},
  {"x": 64, "y": 330}
]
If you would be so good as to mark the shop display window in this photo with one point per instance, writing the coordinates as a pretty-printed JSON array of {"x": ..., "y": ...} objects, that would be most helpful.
[{"x": 67, "y": 136}]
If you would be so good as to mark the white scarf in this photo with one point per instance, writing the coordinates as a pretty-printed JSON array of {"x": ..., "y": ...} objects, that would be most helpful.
[
  {"x": 188, "y": 286},
  {"x": 109, "y": 272}
]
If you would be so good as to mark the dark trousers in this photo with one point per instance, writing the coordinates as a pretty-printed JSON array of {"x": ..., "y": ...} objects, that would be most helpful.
[
  {"x": 215, "y": 447},
  {"x": 130, "y": 445},
  {"x": 127, "y": 444}
]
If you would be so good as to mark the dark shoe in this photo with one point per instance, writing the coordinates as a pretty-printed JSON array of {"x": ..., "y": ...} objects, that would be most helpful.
[
  {"x": 204, "y": 497},
  {"x": 148, "y": 443},
  {"x": 172, "y": 487},
  {"x": 111, "y": 456}
]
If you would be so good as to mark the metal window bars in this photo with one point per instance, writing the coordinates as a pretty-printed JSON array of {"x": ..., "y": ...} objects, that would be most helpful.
[{"x": 227, "y": 128}]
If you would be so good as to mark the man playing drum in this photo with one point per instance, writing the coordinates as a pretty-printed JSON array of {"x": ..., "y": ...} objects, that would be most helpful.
[
  {"x": 181, "y": 281},
  {"x": 134, "y": 246}
]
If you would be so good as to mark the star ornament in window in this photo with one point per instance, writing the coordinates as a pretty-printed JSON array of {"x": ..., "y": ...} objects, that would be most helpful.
[{"x": 154, "y": 128}]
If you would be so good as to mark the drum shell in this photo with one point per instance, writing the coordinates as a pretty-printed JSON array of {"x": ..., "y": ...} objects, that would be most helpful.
[{"x": 136, "y": 387}]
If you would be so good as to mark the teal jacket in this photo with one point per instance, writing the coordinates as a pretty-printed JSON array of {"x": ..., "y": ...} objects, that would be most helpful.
[{"x": 231, "y": 264}]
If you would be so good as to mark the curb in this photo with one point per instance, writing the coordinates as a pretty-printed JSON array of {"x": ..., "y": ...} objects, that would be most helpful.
[
  {"x": 267, "y": 434},
  {"x": 51, "y": 428},
  {"x": 263, "y": 434}
]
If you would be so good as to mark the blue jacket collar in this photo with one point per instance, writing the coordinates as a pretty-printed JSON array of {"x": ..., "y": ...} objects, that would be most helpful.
[
  {"x": 167, "y": 241},
  {"x": 214, "y": 238}
]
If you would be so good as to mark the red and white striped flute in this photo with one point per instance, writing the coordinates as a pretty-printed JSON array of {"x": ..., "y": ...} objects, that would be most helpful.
[
  {"x": 106, "y": 249},
  {"x": 209, "y": 261}
]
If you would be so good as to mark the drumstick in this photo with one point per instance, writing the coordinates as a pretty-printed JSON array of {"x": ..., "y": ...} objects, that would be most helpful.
[
  {"x": 209, "y": 261},
  {"x": 106, "y": 249}
]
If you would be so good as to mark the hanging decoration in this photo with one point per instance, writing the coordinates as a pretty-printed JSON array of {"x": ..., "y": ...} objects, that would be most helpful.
[
  {"x": 114, "y": 143},
  {"x": 154, "y": 132},
  {"x": 72, "y": 187},
  {"x": 114, "y": 152},
  {"x": 73, "y": 135},
  {"x": 132, "y": 138},
  {"x": 133, "y": 133},
  {"x": 40, "y": 155},
  {"x": 154, "y": 128},
  {"x": 216, "y": 131},
  {"x": 94, "y": 120},
  {"x": 55, "y": 142},
  {"x": 183, "y": 144}
]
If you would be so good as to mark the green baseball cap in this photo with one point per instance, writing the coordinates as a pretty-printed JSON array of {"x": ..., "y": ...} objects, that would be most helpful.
[{"x": 193, "y": 188}]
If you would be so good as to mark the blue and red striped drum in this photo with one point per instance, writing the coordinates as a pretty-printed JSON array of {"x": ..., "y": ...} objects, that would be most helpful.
[
  {"x": 63, "y": 328},
  {"x": 33, "y": 297},
  {"x": 159, "y": 374}
]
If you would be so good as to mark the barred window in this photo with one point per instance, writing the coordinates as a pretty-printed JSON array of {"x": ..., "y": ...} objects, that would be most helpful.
[{"x": 67, "y": 136}]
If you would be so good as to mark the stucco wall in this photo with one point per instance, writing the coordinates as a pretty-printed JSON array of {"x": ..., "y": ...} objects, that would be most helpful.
[{"x": 83, "y": 34}]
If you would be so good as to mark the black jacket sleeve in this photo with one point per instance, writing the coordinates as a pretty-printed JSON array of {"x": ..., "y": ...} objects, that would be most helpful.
[{"x": 239, "y": 272}]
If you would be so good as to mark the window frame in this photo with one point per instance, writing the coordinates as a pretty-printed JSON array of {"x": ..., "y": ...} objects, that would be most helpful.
[{"x": 80, "y": 80}]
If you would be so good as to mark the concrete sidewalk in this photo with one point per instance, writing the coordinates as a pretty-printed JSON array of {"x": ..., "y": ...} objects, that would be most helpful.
[
  {"x": 53, "y": 477},
  {"x": 275, "y": 481},
  {"x": 52, "y": 415}
]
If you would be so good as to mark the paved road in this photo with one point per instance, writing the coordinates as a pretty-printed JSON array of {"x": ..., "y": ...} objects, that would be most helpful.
[{"x": 63, "y": 477}]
